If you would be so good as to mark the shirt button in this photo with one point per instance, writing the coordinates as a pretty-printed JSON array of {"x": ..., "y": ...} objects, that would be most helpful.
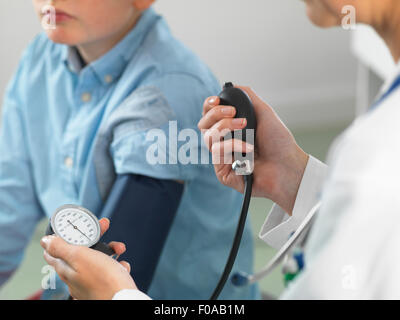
[
  {"x": 68, "y": 162},
  {"x": 108, "y": 78},
  {"x": 86, "y": 97}
]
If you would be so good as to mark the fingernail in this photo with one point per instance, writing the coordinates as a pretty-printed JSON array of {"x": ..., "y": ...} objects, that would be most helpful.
[
  {"x": 239, "y": 122},
  {"x": 212, "y": 100},
  {"x": 228, "y": 110},
  {"x": 45, "y": 241}
]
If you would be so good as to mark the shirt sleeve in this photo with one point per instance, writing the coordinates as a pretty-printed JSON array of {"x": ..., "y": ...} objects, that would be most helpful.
[
  {"x": 279, "y": 225},
  {"x": 19, "y": 208},
  {"x": 159, "y": 136},
  {"x": 131, "y": 295}
]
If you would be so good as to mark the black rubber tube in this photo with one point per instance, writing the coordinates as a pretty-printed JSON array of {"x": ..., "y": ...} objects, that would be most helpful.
[{"x": 248, "y": 186}]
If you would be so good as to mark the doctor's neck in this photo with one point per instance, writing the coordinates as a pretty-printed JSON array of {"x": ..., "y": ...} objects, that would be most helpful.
[{"x": 384, "y": 17}]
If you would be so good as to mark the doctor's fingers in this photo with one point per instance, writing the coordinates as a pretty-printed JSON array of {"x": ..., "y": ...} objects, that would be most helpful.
[
  {"x": 222, "y": 151},
  {"x": 59, "y": 249},
  {"x": 210, "y": 103},
  {"x": 214, "y": 115},
  {"x": 65, "y": 272},
  {"x": 104, "y": 225},
  {"x": 126, "y": 265},
  {"x": 118, "y": 247},
  {"x": 222, "y": 129}
]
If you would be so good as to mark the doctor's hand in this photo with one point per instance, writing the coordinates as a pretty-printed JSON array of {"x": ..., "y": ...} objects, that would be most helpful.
[
  {"x": 89, "y": 274},
  {"x": 279, "y": 163}
]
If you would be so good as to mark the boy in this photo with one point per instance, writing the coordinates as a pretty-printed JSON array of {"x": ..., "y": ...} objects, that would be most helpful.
[{"x": 76, "y": 116}]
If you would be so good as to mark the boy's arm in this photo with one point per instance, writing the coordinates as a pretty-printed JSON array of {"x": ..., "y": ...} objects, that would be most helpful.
[
  {"x": 145, "y": 146},
  {"x": 19, "y": 208}
]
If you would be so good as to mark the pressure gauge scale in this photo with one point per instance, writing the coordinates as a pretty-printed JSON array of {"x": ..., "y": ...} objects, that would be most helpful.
[{"x": 77, "y": 226}]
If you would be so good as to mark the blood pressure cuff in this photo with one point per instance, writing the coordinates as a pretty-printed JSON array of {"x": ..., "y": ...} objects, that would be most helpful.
[{"x": 142, "y": 210}]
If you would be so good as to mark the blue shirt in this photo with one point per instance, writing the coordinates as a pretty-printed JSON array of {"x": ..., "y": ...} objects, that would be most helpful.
[{"x": 67, "y": 130}]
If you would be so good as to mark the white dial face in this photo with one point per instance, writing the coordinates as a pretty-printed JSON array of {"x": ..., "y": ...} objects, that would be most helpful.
[{"x": 76, "y": 226}]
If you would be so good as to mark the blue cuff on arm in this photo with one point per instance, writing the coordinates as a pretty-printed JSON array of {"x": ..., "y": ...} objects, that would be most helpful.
[{"x": 142, "y": 210}]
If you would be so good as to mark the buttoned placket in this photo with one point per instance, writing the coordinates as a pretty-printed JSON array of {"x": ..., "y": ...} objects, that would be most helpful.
[
  {"x": 85, "y": 97},
  {"x": 92, "y": 84}
]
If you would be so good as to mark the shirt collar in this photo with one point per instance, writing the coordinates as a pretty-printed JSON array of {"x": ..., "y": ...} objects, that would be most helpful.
[
  {"x": 110, "y": 66},
  {"x": 390, "y": 80}
]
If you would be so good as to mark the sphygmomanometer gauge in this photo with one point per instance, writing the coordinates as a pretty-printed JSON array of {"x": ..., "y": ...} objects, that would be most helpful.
[{"x": 77, "y": 226}]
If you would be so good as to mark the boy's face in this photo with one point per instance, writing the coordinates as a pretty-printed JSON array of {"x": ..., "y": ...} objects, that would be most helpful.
[{"x": 86, "y": 21}]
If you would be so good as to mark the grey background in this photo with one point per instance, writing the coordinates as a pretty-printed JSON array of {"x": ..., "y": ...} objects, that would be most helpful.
[{"x": 306, "y": 73}]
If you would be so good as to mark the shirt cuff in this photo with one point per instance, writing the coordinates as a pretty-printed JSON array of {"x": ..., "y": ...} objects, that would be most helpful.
[
  {"x": 279, "y": 225},
  {"x": 128, "y": 294}
]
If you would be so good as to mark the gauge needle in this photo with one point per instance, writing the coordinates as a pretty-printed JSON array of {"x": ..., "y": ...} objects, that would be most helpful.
[{"x": 76, "y": 228}]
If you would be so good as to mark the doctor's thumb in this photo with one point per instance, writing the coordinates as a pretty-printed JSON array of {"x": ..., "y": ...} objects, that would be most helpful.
[
  {"x": 262, "y": 109},
  {"x": 126, "y": 265},
  {"x": 55, "y": 246}
]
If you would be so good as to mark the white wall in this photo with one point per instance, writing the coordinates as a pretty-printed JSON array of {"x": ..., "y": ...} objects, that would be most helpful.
[
  {"x": 307, "y": 74},
  {"x": 18, "y": 25}
]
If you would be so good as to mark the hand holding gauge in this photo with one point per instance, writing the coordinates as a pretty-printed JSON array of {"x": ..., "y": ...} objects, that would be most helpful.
[
  {"x": 78, "y": 226},
  {"x": 89, "y": 274}
]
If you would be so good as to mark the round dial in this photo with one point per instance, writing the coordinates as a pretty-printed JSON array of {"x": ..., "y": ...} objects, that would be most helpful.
[{"x": 76, "y": 225}]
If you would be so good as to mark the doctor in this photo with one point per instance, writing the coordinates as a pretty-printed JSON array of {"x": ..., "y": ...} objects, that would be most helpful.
[{"x": 351, "y": 251}]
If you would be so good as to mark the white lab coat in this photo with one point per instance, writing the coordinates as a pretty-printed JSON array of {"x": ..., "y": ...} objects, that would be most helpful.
[
  {"x": 353, "y": 247},
  {"x": 352, "y": 251}
]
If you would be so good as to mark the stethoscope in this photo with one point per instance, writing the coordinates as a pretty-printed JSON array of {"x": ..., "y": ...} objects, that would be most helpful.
[{"x": 240, "y": 279}]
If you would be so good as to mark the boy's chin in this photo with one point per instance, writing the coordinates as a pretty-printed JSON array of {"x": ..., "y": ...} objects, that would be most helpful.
[{"x": 63, "y": 37}]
